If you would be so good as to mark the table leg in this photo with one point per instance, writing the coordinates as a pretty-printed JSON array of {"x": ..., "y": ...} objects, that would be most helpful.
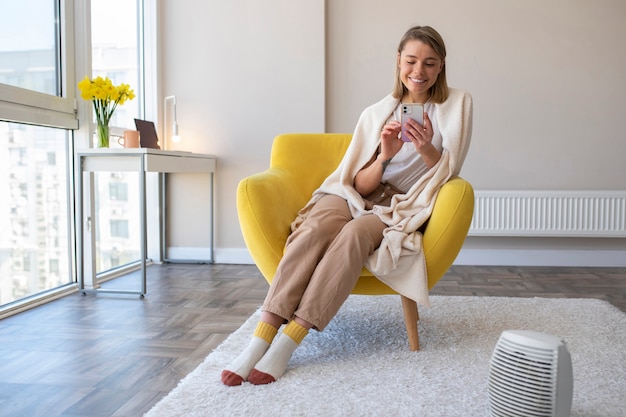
[{"x": 144, "y": 225}]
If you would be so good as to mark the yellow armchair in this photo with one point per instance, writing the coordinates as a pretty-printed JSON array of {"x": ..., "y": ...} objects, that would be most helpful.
[{"x": 269, "y": 201}]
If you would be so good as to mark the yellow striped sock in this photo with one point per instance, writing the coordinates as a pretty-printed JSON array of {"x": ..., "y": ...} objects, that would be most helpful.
[
  {"x": 295, "y": 331},
  {"x": 265, "y": 331}
]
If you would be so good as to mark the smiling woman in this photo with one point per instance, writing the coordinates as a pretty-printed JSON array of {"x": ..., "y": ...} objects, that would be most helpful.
[
  {"x": 421, "y": 67},
  {"x": 349, "y": 222}
]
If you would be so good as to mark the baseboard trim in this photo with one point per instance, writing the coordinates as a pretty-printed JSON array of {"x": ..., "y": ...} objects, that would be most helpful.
[
  {"x": 467, "y": 256},
  {"x": 542, "y": 257},
  {"x": 233, "y": 256},
  {"x": 221, "y": 255}
]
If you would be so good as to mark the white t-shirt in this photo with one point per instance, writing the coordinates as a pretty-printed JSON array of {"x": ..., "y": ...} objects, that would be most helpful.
[{"x": 407, "y": 165}]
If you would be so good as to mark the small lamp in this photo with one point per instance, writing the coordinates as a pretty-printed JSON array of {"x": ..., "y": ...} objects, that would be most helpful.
[{"x": 174, "y": 138}]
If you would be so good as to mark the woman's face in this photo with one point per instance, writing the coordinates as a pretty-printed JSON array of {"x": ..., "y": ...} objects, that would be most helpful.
[{"x": 419, "y": 67}]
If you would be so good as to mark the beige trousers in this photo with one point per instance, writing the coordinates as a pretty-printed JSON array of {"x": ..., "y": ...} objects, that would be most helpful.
[{"x": 322, "y": 262}]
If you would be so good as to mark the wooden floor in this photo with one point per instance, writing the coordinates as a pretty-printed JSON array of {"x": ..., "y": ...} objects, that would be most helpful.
[{"x": 117, "y": 355}]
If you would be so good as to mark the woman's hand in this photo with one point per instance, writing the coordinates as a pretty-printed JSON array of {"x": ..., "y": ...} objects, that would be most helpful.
[
  {"x": 390, "y": 144},
  {"x": 368, "y": 178},
  {"x": 421, "y": 136}
]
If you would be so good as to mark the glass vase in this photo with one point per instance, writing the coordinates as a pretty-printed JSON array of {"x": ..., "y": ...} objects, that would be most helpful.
[{"x": 102, "y": 135}]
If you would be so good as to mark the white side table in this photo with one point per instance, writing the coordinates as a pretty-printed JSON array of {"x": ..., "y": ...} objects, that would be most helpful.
[{"x": 141, "y": 160}]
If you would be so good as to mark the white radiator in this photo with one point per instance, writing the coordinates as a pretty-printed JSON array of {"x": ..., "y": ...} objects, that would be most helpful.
[{"x": 549, "y": 213}]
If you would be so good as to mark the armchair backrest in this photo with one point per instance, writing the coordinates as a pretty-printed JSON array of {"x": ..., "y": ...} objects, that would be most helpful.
[{"x": 309, "y": 157}]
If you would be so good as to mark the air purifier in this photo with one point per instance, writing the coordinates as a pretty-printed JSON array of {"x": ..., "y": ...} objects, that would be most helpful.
[{"x": 530, "y": 375}]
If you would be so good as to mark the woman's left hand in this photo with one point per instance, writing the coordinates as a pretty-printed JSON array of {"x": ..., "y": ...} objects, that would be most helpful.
[{"x": 421, "y": 136}]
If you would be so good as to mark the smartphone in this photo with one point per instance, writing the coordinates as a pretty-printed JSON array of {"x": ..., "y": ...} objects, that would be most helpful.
[{"x": 411, "y": 111}]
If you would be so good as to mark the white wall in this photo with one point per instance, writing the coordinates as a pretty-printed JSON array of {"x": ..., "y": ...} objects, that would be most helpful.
[
  {"x": 243, "y": 72},
  {"x": 547, "y": 79}
]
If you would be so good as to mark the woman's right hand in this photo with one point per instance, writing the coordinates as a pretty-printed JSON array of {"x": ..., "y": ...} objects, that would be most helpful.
[
  {"x": 368, "y": 178},
  {"x": 390, "y": 142}
]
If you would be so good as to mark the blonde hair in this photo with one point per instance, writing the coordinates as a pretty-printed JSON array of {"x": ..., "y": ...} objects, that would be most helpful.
[{"x": 429, "y": 36}]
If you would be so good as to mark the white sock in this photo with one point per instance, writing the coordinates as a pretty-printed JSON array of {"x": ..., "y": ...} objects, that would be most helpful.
[
  {"x": 274, "y": 363},
  {"x": 244, "y": 363}
]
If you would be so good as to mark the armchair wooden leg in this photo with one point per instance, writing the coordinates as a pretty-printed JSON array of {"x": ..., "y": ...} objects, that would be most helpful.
[{"x": 411, "y": 316}]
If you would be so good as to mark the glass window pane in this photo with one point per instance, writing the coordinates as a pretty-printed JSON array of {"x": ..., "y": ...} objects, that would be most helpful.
[
  {"x": 29, "y": 45},
  {"x": 115, "y": 52},
  {"x": 117, "y": 219},
  {"x": 34, "y": 210}
]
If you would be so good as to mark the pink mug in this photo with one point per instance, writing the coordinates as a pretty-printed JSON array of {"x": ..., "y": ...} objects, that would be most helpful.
[{"x": 130, "y": 139}]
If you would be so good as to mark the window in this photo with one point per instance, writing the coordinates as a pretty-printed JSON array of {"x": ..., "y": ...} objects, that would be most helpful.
[
  {"x": 35, "y": 218},
  {"x": 36, "y": 121},
  {"x": 37, "y": 63},
  {"x": 119, "y": 228},
  {"x": 39, "y": 132},
  {"x": 29, "y": 43},
  {"x": 118, "y": 191},
  {"x": 117, "y": 54}
]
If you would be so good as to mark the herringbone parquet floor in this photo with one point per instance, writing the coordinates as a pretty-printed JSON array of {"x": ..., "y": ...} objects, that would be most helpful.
[{"x": 117, "y": 355}]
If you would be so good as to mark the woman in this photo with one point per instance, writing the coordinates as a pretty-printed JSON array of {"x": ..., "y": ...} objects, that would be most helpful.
[{"x": 350, "y": 220}]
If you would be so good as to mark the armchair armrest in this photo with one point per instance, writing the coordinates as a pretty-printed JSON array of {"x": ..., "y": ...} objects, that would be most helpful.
[
  {"x": 447, "y": 227},
  {"x": 267, "y": 203}
]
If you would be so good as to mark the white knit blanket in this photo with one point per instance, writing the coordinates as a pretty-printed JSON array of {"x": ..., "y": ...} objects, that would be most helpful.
[{"x": 399, "y": 261}]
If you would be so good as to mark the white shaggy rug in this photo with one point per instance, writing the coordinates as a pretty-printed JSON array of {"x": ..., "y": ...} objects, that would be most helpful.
[{"x": 361, "y": 364}]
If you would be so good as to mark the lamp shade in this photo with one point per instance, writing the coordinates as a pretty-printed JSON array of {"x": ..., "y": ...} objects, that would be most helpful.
[{"x": 173, "y": 137}]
